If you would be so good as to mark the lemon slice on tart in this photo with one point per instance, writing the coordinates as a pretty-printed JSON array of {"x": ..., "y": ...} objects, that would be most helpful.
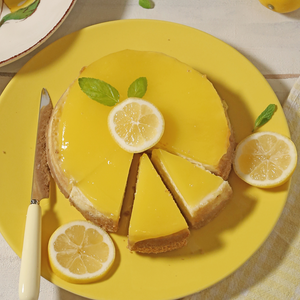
[
  {"x": 80, "y": 252},
  {"x": 265, "y": 159},
  {"x": 136, "y": 125}
]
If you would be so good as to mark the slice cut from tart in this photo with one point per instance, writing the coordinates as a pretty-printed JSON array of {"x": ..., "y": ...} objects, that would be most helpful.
[
  {"x": 156, "y": 223},
  {"x": 200, "y": 194}
]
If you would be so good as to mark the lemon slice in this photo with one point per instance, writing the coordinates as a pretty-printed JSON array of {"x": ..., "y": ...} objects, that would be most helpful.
[
  {"x": 136, "y": 125},
  {"x": 265, "y": 159},
  {"x": 80, "y": 252}
]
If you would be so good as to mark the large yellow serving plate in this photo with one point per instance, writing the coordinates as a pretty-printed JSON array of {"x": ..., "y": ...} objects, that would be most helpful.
[{"x": 214, "y": 251}]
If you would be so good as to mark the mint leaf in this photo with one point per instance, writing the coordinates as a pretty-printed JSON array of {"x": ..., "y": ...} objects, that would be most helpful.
[
  {"x": 146, "y": 4},
  {"x": 22, "y": 13},
  {"x": 265, "y": 116},
  {"x": 138, "y": 88},
  {"x": 99, "y": 91}
]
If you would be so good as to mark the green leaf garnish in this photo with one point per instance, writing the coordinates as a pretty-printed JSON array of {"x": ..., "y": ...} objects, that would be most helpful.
[
  {"x": 138, "y": 88},
  {"x": 146, "y": 4},
  {"x": 265, "y": 116},
  {"x": 21, "y": 13},
  {"x": 99, "y": 91}
]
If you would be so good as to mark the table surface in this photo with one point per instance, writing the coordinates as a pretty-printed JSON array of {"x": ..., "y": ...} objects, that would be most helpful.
[{"x": 268, "y": 39}]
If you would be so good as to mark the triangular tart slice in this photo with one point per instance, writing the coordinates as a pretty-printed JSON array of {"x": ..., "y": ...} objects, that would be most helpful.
[
  {"x": 156, "y": 223},
  {"x": 200, "y": 194}
]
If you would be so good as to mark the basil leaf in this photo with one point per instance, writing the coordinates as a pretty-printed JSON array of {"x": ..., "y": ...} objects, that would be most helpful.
[
  {"x": 21, "y": 13},
  {"x": 138, "y": 88},
  {"x": 265, "y": 116},
  {"x": 99, "y": 91},
  {"x": 146, "y": 4}
]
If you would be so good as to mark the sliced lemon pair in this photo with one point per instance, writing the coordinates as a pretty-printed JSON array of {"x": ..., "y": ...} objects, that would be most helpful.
[
  {"x": 80, "y": 252},
  {"x": 265, "y": 159}
]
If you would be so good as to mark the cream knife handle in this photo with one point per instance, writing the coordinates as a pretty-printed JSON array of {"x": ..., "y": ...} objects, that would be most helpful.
[{"x": 29, "y": 281}]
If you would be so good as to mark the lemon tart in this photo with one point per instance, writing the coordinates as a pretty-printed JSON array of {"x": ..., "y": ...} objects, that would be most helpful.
[
  {"x": 156, "y": 223},
  {"x": 200, "y": 194},
  {"x": 87, "y": 164}
]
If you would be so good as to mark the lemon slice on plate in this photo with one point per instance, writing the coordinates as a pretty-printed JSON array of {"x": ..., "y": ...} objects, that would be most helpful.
[
  {"x": 136, "y": 125},
  {"x": 265, "y": 159},
  {"x": 80, "y": 252}
]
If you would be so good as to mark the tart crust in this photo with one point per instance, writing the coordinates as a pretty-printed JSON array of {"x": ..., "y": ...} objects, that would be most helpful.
[{"x": 162, "y": 244}]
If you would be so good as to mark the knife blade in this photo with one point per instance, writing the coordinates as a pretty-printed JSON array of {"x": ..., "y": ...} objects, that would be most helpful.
[{"x": 29, "y": 280}]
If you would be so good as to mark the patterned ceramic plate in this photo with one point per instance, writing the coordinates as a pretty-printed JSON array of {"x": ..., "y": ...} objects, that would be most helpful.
[{"x": 26, "y": 24}]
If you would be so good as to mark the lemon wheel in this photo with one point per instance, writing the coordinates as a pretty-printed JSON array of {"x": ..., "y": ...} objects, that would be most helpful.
[
  {"x": 265, "y": 159},
  {"x": 136, "y": 125},
  {"x": 80, "y": 252}
]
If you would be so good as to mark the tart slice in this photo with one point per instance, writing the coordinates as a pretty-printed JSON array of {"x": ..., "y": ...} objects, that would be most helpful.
[
  {"x": 156, "y": 224},
  {"x": 200, "y": 194}
]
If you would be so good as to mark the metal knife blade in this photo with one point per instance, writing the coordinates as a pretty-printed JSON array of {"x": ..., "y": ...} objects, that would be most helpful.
[
  {"x": 29, "y": 280},
  {"x": 41, "y": 173}
]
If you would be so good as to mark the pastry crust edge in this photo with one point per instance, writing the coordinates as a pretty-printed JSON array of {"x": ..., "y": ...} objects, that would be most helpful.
[{"x": 162, "y": 244}]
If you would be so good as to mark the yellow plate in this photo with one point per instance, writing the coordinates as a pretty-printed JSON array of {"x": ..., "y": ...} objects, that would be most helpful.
[{"x": 214, "y": 251}]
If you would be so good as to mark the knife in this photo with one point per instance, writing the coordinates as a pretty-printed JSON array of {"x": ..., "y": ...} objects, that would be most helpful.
[{"x": 29, "y": 280}]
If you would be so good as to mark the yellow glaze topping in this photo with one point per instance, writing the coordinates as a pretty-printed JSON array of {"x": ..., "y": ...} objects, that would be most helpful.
[
  {"x": 196, "y": 125},
  {"x": 90, "y": 158},
  {"x": 193, "y": 183},
  {"x": 155, "y": 213}
]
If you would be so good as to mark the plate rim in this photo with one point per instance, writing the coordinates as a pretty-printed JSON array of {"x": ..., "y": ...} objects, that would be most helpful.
[{"x": 41, "y": 39}]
